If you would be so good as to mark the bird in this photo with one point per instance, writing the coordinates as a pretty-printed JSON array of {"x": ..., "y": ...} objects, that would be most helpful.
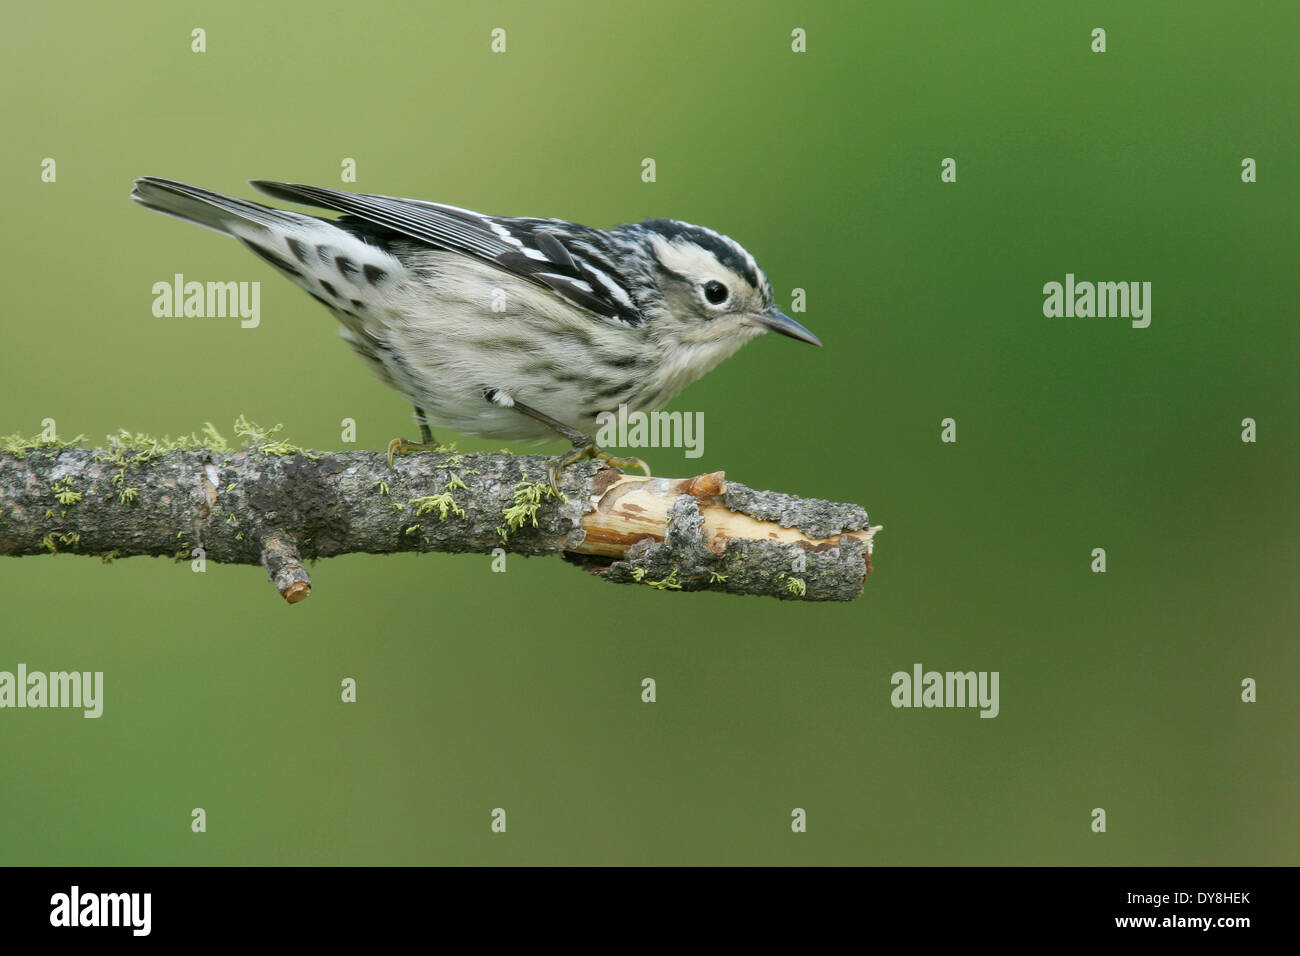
[{"x": 504, "y": 328}]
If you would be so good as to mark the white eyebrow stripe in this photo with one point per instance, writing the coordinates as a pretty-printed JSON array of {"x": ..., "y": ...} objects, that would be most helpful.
[{"x": 749, "y": 259}]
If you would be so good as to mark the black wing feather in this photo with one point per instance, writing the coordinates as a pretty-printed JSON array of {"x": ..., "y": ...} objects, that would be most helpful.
[{"x": 472, "y": 234}]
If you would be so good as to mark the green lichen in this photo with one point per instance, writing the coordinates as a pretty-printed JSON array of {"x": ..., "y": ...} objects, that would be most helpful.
[
  {"x": 797, "y": 587},
  {"x": 382, "y": 486},
  {"x": 413, "y": 530},
  {"x": 127, "y": 495},
  {"x": 257, "y": 438},
  {"x": 137, "y": 449},
  {"x": 638, "y": 574},
  {"x": 528, "y": 501},
  {"x": 52, "y": 540},
  {"x": 18, "y": 446},
  {"x": 716, "y": 578},
  {"x": 63, "y": 491},
  {"x": 669, "y": 583},
  {"x": 442, "y": 503},
  {"x": 140, "y": 448},
  {"x": 253, "y": 433},
  {"x": 213, "y": 438},
  {"x": 281, "y": 448},
  {"x": 125, "y": 448}
]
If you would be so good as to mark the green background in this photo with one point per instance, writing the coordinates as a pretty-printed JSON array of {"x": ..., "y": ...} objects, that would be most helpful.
[{"x": 522, "y": 690}]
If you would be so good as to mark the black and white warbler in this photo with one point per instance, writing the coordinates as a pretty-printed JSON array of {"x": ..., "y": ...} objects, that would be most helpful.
[{"x": 505, "y": 328}]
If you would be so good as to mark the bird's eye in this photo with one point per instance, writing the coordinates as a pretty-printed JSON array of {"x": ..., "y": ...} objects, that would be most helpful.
[{"x": 715, "y": 292}]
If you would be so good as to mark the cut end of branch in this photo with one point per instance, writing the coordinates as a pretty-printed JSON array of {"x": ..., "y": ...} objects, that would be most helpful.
[
  {"x": 283, "y": 563},
  {"x": 298, "y": 591}
]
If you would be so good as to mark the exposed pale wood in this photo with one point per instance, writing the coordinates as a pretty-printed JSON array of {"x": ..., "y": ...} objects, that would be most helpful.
[{"x": 635, "y": 508}]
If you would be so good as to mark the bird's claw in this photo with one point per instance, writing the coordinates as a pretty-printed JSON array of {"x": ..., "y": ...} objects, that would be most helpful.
[
  {"x": 400, "y": 446},
  {"x": 579, "y": 452}
]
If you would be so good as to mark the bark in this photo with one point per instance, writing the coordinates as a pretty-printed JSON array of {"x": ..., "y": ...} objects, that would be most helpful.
[{"x": 281, "y": 510}]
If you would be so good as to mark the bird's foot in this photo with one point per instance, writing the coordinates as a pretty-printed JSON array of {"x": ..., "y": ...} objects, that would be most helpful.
[
  {"x": 400, "y": 446},
  {"x": 579, "y": 452}
]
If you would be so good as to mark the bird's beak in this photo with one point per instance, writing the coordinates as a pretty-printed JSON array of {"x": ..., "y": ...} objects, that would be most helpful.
[{"x": 776, "y": 321}]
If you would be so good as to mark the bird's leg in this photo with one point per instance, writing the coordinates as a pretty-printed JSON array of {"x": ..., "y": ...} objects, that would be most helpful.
[
  {"x": 400, "y": 446},
  {"x": 583, "y": 447}
]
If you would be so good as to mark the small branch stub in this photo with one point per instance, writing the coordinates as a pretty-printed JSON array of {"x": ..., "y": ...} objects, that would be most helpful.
[{"x": 281, "y": 560}]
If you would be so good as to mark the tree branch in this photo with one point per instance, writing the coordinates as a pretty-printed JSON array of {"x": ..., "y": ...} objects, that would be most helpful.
[{"x": 279, "y": 509}]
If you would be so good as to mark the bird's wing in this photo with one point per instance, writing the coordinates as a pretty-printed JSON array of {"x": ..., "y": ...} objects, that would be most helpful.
[{"x": 533, "y": 249}]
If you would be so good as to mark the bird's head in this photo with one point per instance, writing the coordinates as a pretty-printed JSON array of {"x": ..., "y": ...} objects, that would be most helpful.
[{"x": 715, "y": 295}]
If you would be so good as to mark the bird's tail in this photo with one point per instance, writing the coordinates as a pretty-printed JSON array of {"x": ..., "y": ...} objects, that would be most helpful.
[{"x": 213, "y": 210}]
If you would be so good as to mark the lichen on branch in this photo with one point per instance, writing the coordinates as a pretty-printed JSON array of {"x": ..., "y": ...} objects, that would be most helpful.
[{"x": 278, "y": 505}]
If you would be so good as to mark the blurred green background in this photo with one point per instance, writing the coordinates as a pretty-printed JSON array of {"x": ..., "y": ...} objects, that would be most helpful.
[{"x": 522, "y": 690}]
